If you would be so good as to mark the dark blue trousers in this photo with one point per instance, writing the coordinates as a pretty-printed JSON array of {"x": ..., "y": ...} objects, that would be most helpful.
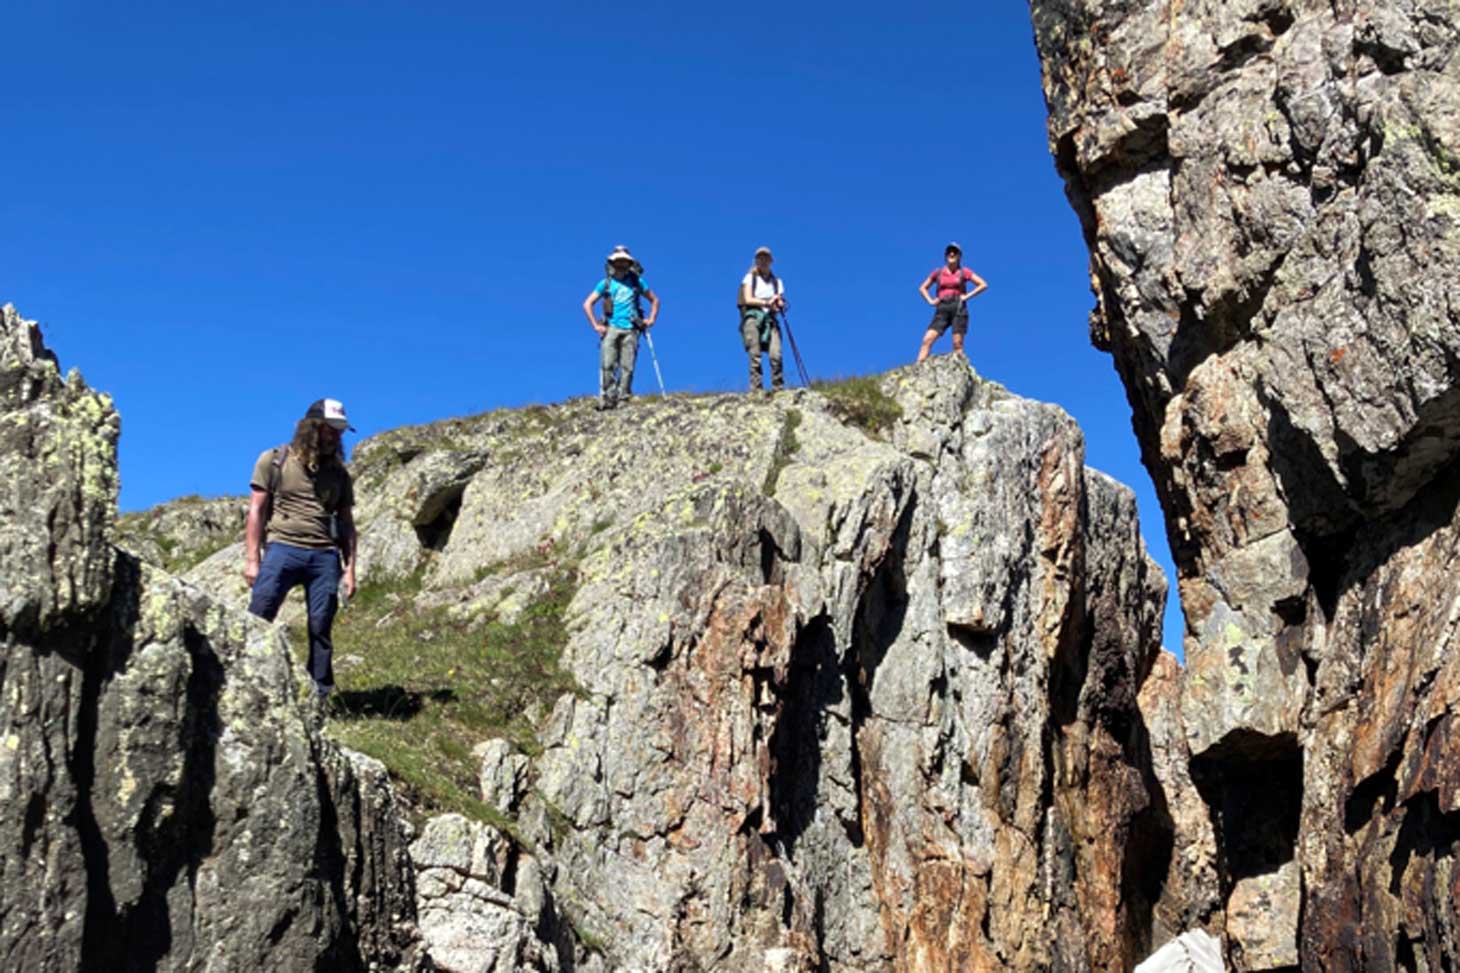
[{"x": 284, "y": 566}]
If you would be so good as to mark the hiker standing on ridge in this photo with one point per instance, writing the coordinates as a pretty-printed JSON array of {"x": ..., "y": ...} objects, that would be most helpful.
[
  {"x": 762, "y": 294},
  {"x": 623, "y": 319},
  {"x": 951, "y": 305},
  {"x": 301, "y": 507}
]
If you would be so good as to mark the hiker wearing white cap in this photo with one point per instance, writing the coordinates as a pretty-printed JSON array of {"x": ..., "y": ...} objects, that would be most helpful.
[
  {"x": 300, "y": 514},
  {"x": 621, "y": 291},
  {"x": 950, "y": 308},
  {"x": 762, "y": 295}
]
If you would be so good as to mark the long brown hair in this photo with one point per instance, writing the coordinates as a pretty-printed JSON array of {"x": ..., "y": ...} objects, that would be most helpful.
[{"x": 305, "y": 445}]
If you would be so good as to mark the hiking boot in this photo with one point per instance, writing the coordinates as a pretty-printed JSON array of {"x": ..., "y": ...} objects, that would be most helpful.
[{"x": 603, "y": 405}]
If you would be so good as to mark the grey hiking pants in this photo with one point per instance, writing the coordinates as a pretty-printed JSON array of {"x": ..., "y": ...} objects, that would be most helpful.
[
  {"x": 750, "y": 332},
  {"x": 617, "y": 350}
]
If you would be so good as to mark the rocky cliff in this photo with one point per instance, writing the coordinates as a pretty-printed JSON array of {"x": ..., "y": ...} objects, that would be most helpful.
[
  {"x": 166, "y": 807},
  {"x": 841, "y": 680},
  {"x": 1270, "y": 191}
]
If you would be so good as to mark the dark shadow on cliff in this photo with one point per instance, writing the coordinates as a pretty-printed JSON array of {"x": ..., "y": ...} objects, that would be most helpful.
[
  {"x": 877, "y": 624},
  {"x": 1428, "y": 832},
  {"x": 1345, "y": 540},
  {"x": 174, "y": 832},
  {"x": 813, "y": 687},
  {"x": 1094, "y": 682},
  {"x": 343, "y": 953},
  {"x": 1252, "y": 785}
]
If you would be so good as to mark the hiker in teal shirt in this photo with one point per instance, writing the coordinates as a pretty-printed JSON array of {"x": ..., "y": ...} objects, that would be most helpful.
[{"x": 618, "y": 332}]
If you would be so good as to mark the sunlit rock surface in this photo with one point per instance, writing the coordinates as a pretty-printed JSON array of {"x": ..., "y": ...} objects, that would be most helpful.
[
  {"x": 1269, "y": 192},
  {"x": 166, "y": 806}
]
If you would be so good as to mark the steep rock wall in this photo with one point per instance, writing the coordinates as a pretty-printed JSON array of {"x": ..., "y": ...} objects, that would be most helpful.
[
  {"x": 1269, "y": 191},
  {"x": 166, "y": 806}
]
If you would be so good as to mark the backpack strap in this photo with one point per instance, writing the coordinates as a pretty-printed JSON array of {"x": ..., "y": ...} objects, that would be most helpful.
[{"x": 276, "y": 472}]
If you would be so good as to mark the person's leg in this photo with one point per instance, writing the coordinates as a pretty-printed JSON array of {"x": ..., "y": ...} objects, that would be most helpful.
[
  {"x": 960, "y": 328},
  {"x": 321, "y": 590},
  {"x": 929, "y": 337},
  {"x": 750, "y": 338},
  {"x": 606, "y": 359},
  {"x": 778, "y": 379},
  {"x": 628, "y": 354},
  {"x": 939, "y": 324},
  {"x": 277, "y": 574}
]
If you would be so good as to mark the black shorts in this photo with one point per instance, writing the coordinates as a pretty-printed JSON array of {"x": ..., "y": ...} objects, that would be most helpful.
[{"x": 953, "y": 312}]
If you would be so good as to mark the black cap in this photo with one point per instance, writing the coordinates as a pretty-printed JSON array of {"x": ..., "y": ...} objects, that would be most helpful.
[{"x": 332, "y": 411}]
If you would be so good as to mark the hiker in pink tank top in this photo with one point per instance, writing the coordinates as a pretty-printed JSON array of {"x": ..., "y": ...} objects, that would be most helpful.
[{"x": 950, "y": 307}]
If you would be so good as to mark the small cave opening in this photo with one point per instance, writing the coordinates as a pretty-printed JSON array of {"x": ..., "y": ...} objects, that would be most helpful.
[
  {"x": 438, "y": 516},
  {"x": 1252, "y": 784}
]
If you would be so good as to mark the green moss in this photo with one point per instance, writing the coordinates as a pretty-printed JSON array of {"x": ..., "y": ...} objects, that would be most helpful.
[
  {"x": 427, "y": 688},
  {"x": 786, "y": 447},
  {"x": 590, "y": 941},
  {"x": 861, "y": 402}
]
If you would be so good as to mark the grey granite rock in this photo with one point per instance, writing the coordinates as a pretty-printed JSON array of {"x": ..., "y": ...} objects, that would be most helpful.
[
  {"x": 470, "y": 922},
  {"x": 170, "y": 808},
  {"x": 1269, "y": 193}
]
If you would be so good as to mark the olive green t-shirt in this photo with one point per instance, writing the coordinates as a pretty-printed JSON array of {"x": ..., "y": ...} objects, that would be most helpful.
[{"x": 303, "y": 500}]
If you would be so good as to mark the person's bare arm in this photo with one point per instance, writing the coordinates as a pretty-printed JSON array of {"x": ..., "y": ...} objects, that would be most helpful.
[
  {"x": 923, "y": 289},
  {"x": 747, "y": 294},
  {"x": 979, "y": 286},
  {"x": 348, "y": 540},
  {"x": 653, "y": 309},
  {"x": 253, "y": 534},
  {"x": 588, "y": 302}
]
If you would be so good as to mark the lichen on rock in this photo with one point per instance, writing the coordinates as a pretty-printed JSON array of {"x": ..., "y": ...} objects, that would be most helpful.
[{"x": 1268, "y": 191}]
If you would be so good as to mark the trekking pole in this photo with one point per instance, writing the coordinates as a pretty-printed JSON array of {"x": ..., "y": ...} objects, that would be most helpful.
[
  {"x": 795, "y": 352},
  {"x": 655, "y": 359}
]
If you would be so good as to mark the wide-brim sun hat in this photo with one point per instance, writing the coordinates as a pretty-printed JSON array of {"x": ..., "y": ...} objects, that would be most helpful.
[{"x": 620, "y": 253}]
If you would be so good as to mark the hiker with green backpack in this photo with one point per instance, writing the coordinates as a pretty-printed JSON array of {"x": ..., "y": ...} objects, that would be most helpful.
[
  {"x": 761, "y": 297},
  {"x": 621, "y": 291},
  {"x": 300, "y": 519},
  {"x": 950, "y": 308}
]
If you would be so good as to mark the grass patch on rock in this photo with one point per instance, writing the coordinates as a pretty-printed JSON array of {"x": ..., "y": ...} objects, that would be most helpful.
[
  {"x": 786, "y": 447},
  {"x": 861, "y": 402},
  {"x": 418, "y": 689}
]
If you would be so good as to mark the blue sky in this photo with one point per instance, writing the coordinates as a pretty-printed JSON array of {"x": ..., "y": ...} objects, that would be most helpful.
[{"x": 221, "y": 212}]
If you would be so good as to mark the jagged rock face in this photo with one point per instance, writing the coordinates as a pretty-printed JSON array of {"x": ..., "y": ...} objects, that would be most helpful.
[
  {"x": 846, "y": 702},
  {"x": 1269, "y": 191},
  {"x": 166, "y": 806},
  {"x": 184, "y": 532}
]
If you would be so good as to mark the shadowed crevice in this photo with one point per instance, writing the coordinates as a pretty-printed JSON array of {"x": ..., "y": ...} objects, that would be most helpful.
[
  {"x": 813, "y": 686},
  {"x": 1252, "y": 784},
  {"x": 438, "y": 517}
]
